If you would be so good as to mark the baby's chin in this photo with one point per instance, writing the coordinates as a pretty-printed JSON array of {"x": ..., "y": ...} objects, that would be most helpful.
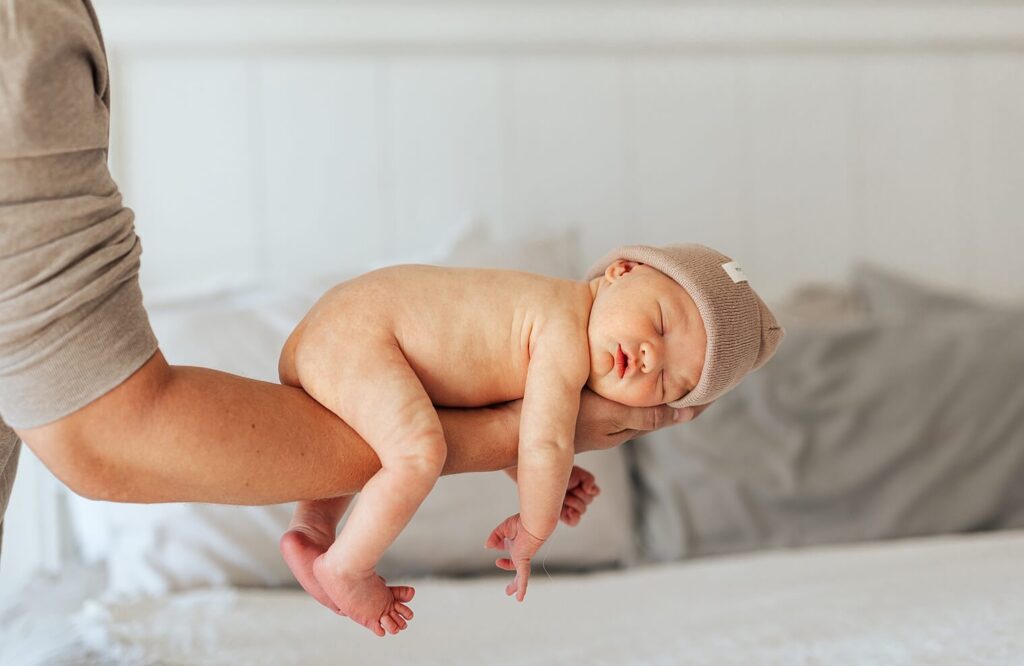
[{"x": 629, "y": 401}]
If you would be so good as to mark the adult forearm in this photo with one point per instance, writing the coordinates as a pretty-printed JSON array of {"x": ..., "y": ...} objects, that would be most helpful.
[
  {"x": 174, "y": 433},
  {"x": 171, "y": 434}
]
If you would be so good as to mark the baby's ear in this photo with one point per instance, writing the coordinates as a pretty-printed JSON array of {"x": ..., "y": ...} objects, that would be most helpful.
[{"x": 618, "y": 268}]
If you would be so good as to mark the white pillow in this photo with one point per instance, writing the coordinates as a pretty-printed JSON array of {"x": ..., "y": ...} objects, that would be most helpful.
[{"x": 154, "y": 549}]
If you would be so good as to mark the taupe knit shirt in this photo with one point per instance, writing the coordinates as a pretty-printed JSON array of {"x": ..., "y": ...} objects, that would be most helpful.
[{"x": 72, "y": 325}]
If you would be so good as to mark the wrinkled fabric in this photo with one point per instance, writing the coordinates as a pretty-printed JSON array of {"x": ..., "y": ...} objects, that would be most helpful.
[{"x": 72, "y": 325}]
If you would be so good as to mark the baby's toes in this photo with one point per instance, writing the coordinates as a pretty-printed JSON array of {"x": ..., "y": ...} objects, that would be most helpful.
[
  {"x": 403, "y": 592},
  {"x": 375, "y": 627},
  {"x": 388, "y": 623},
  {"x": 403, "y": 610}
]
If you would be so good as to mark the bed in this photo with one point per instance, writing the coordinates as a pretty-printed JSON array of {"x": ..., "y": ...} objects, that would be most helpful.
[
  {"x": 944, "y": 600},
  {"x": 858, "y": 500}
]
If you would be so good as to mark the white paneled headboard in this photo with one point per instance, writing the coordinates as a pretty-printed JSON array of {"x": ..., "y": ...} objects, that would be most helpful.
[{"x": 263, "y": 141}]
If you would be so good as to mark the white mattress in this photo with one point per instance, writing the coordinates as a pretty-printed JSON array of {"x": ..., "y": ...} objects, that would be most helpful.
[{"x": 943, "y": 600}]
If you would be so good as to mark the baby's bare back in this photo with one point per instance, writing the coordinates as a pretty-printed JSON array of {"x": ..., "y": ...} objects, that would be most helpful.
[{"x": 466, "y": 333}]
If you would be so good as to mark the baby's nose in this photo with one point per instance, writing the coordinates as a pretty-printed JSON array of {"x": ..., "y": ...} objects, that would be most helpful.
[{"x": 649, "y": 357}]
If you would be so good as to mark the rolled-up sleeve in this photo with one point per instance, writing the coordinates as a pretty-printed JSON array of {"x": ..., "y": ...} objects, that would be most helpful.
[{"x": 72, "y": 324}]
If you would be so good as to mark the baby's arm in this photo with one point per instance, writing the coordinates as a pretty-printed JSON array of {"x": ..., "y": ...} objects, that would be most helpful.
[
  {"x": 579, "y": 493},
  {"x": 558, "y": 369}
]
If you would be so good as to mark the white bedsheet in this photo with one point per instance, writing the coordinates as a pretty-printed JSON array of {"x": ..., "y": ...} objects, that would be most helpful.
[{"x": 948, "y": 600}]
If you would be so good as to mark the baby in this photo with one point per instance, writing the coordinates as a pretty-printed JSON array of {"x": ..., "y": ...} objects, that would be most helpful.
[{"x": 676, "y": 324}]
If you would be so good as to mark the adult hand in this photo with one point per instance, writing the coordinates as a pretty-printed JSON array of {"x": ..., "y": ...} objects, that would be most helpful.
[{"x": 604, "y": 424}]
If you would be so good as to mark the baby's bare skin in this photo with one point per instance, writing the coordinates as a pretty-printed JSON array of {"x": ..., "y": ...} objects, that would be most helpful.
[
  {"x": 466, "y": 333},
  {"x": 412, "y": 337}
]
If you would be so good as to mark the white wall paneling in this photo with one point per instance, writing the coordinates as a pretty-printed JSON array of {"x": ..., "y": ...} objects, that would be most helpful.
[
  {"x": 446, "y": 146},
  {"x": 567, "y": 148},
  {"x": 994, "y": 99},
  {"x": 799, "y": 139},
  {"x": 912, "y": 139},
  {"x": 186, "y": 167},
  {"x": 686, "y": 151},
  {"x": 326, "y": 203},
  {"x": 797, "y": 122}
]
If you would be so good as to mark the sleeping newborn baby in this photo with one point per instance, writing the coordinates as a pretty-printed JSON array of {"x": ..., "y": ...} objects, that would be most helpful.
[{"x": 676, "y": 324}]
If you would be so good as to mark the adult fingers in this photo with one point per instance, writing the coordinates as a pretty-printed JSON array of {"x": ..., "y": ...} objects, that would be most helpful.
[
  {"x": 574, "y": 502},
  {"x": 586, "y": 478},
  {"x": 644, "y": 419},
  {"x": 582, "y": 495}
]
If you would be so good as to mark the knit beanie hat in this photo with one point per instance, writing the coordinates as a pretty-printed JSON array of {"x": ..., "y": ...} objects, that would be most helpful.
[{"x": 742, "y": 334}]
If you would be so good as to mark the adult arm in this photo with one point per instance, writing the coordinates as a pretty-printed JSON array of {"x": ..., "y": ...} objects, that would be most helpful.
[
  {"x": 175, "y": 433},
  {"x": 81, "y": 378}
]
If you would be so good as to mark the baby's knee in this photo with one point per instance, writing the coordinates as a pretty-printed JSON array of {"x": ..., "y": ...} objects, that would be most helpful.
[{"x": 423, "y": 458}]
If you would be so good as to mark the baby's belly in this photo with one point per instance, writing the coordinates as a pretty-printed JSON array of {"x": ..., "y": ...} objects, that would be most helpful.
[{"x": 471, "y": 387}]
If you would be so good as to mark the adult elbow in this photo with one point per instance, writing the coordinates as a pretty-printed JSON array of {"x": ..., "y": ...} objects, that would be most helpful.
[
  {"x": 76, "y": 461},
  {"x": 93, "y": 450}
]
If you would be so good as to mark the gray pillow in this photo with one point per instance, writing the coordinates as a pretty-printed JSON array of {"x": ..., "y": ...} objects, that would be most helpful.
[
  {"x": 879, "y": 428},
  {"x": 885, "y": 292}
]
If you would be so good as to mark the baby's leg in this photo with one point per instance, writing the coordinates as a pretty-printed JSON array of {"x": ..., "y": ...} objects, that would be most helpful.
[
  {"x": 371, "y": 386},
  {"x": 311, "y": 532}
]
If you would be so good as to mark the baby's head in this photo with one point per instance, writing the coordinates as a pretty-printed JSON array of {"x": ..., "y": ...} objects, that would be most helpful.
[{"x": 677, "y": 324}]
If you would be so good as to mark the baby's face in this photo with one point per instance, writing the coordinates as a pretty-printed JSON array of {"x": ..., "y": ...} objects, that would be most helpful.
[{"x": 647, "y": 338}]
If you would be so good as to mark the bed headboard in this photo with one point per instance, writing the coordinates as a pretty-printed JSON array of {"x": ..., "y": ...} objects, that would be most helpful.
[
  {"x": 267, "y": 141},
  {"x": 264, "y": 140}
]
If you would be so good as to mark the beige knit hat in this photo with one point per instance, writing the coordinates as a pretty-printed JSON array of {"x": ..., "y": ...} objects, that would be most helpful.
[{"x": 742, "y": 333}]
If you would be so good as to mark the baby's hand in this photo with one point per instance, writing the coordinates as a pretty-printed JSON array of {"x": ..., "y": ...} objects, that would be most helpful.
[
  {"x": 580, "y": 492},
  {"x": 510, "y": 535}
]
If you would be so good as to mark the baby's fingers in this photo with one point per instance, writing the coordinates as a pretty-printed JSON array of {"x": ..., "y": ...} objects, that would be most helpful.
[
  {"x": 498, "y": 535},
  {"x": 522, "y": 577},
  {"x": 505, "y": 564},
  {"x": 496, "y": 540}
]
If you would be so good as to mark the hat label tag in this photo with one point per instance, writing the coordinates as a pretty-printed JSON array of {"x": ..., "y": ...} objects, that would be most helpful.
[{"x": 735, "y": 271}]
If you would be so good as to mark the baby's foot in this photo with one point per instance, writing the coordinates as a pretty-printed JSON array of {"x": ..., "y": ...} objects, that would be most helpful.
[
  {"x": 367, "y": 599},
  {"x": 311, "y": 533}
]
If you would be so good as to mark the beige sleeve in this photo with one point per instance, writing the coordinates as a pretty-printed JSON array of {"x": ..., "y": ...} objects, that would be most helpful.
[
  {"x": 10, "y": 447},
  {"x": 72, "y": 325}
]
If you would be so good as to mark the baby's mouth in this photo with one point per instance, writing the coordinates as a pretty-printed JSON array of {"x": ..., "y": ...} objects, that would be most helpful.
[{"x": 621, "y": 362}]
